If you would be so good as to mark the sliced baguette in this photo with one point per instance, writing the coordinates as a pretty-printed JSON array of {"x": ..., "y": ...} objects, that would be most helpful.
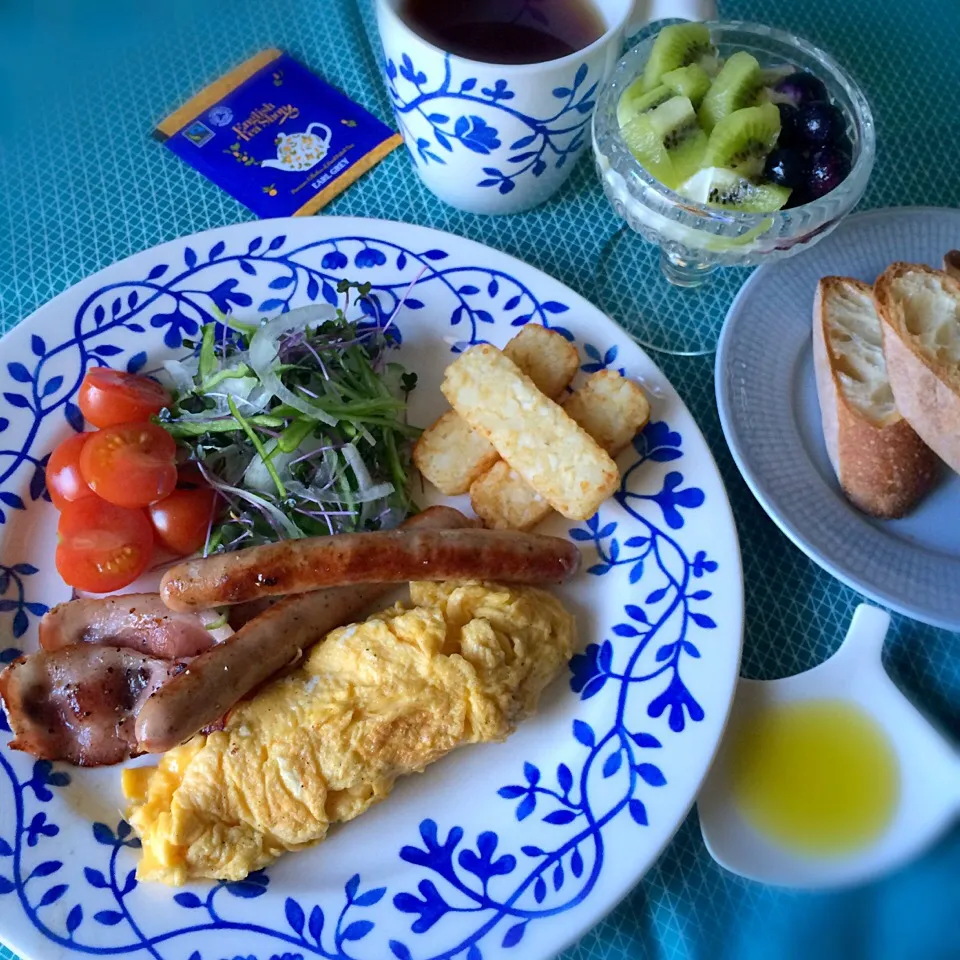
[
  {"x": 920, "y": 316},
  {"x": 883, "y": 467}
]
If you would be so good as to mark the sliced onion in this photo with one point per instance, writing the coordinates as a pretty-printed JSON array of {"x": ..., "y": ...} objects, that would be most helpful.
[
  {"x": 265, "y": 346},
  {"x": 278, "y": 518},
  {"x": 244, "y": 388},
  {"x": 378, "y": 491},
  {"x": 230, "y": 463},
  {"x": 221, "y": 408},
  {"x": 180, "y": 375},
  {"x": 369, "y": 491},
  {"x": 258, "y": 477},
  {"x": 217, "y": 634},
  {"x": 352, "y": 455},
  {"x": 333, "y": 497}
]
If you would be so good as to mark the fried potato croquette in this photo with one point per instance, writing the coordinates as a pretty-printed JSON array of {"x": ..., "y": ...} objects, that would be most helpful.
[
  {"x": 373, "y": 701},
  {"x": 450, "y": 454},
  {"x": 551, "y": 452},
  {"x": 547, "y": 358},
  {"x": 612, "y": 409}
]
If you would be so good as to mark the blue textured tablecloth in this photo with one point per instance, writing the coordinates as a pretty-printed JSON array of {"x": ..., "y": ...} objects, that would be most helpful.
[{"x": 82, "y": 185}]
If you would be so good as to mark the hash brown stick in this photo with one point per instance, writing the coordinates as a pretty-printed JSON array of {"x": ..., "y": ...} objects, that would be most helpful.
[
  {"x": 552, "y": 453},
  {"x": 216, "y": 680},
  {"x": 450, "y": 454},
  {"x": 611, "y": 408},
  {"x": 397, "y": 556}
]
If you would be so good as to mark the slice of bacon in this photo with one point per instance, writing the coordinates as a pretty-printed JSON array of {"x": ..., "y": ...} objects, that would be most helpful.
[
  {"x": 137, "y": 621},
  {"x": 80, "y": 703}
]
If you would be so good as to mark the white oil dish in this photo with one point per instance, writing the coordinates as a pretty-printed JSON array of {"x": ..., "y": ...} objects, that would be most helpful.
[{"x": 913, "y": 799}]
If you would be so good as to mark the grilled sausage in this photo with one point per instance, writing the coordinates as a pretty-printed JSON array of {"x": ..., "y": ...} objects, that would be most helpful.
[
  {"x": 213, "y": 682},
  {"x": 398, "y": 556}
]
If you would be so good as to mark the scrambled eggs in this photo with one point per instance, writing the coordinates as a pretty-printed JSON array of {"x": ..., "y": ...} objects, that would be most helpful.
[{"x": 375, "y": 700}]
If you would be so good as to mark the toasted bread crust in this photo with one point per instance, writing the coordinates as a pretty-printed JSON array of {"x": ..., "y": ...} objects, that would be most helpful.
[
  {"x": 927, "y": 392},
  {"x": 883, "y": 469},
  {"x": 951, "y": 263}
]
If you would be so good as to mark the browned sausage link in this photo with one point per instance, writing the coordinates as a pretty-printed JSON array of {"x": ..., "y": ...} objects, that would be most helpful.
[
  {"x": 295, "y": 566},
  {"x": 214, "y": 681}
]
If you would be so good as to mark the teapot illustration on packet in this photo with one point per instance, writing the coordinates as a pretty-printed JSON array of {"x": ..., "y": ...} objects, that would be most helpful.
[{"x": 301, "y": 151}]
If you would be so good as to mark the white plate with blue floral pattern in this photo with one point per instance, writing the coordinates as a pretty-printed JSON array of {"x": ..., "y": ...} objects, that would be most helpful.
[{"x": 499, "y": 851}]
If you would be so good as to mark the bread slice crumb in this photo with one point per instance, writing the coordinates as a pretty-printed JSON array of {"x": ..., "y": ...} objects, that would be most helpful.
[{"x": 883, "y": 466}]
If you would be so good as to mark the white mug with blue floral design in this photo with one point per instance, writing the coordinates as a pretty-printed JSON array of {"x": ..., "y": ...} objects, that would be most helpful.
[{"x": 501, "y": 138}]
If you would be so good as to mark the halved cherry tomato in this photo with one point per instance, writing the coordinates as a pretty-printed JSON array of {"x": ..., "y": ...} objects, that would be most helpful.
[
  {"x": 130, "y": 464},
  {"x": 181, "y": 521},
  {"x": 190, "y": 476},
  {"x": 65, "y": 483},
  {"x": 108, "y": 397},
  {"x": 102, "y": 547}
]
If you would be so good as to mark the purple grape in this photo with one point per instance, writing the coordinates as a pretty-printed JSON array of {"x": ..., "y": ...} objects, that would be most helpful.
[
  {"x": 797, "y": 199},
  {"x": 802, "y": 87},
  {"x": 821, "y": 123},
  {"x": 790, "y": 132},
  {"x": 786, "y": 168},
  {"x": 842, "y": 145},
  {"x": 829, "y": 167}
]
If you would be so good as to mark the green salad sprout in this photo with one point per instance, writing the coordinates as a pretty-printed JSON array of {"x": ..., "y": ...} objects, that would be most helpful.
[{"x": 298, "y": 422}]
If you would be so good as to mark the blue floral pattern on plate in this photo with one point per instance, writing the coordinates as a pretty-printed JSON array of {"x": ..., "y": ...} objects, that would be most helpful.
[{"x": 454, "y": 891}]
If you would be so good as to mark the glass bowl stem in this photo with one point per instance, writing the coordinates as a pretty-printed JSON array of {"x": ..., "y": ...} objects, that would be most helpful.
[{"x": 683, "y": 272}]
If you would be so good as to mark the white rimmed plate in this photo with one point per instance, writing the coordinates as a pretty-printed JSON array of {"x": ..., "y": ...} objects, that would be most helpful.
[
  {"x": 768, "y": 407},
  {"x": 508, "y": 850}
]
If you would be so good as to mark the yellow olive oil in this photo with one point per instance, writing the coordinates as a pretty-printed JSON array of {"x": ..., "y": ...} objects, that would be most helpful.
[{"x": 816, "y": 776}]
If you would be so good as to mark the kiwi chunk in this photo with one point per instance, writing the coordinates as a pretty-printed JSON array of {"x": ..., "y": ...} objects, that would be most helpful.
[
  {"x": 646, "y": 145},
  {"x": 676, "y": 46},
  {"x": 718, "y": 187},
  {"x": 735, "y": 87},
  {"x": 691, "y": 81},
  {"x": 634, "y": 101},
  {"x": 676, "y": 123},
  {"x": 742, "y": 140}
]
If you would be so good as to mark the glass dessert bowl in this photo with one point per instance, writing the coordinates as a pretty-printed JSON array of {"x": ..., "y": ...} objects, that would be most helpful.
[{"x": 695, "y": 237}]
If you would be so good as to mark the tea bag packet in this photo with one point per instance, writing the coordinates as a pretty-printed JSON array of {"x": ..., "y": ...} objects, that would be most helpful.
[{"x": 277, "y": 137}]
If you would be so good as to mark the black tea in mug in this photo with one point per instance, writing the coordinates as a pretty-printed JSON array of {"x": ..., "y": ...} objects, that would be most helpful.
[{"x": 506, "y": 31}]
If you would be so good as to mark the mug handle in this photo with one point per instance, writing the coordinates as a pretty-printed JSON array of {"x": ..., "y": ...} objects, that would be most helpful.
[{"x": 647, "y": 11}]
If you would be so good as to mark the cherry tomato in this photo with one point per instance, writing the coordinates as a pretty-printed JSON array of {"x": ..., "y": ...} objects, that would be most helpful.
[
  {"x": 102, "y": 547},
  {"x": 189, "y": 475},
  {"x": 108, "y": 397},
  {"x": 65, "y": 483},
  {"x": 181, "y": 520},
  {"x": 130, "y": 464}
]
